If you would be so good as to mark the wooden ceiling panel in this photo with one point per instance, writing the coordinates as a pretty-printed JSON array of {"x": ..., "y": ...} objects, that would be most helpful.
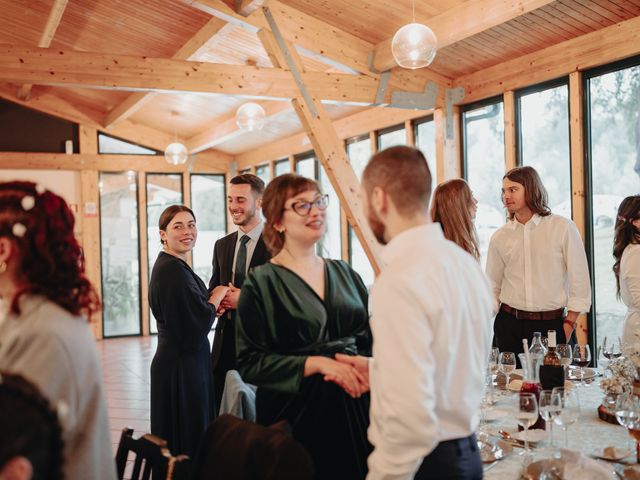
[
  {"x": 23, "y": 21},
  {"x": 85, "y": 99}
]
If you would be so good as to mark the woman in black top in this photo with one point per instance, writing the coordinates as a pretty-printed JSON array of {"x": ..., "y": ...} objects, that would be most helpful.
[{"x": 181, "y": 379}]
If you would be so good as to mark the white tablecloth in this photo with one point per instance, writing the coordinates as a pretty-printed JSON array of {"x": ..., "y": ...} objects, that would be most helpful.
[{"x": 588, "y": 435}]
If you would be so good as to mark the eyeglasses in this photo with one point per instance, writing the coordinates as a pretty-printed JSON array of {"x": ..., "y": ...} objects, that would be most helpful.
[{"x": 303, "y": 208}]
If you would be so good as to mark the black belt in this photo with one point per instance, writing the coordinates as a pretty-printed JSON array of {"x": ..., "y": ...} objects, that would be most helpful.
[{"x": 524, "y": 315}]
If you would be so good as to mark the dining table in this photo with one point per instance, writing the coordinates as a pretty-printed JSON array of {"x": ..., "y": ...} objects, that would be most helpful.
[{"x": 589, "y": 435}]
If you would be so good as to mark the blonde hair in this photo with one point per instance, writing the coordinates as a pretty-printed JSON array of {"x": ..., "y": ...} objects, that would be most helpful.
[{"x": 451, "y": 205}]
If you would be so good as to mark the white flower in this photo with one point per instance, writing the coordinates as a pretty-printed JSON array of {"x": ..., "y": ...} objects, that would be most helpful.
[
  {"x": 27, "y": 202},
  {"x": 19, "y": 230},
  {"x": 40, "y": 189}
]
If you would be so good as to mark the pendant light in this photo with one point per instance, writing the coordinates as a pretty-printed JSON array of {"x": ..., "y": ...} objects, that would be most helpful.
[
  {"x": 250, "y": 117},
  {"x": 175, "y": 153},
  {"x": 414, "y": 45}
]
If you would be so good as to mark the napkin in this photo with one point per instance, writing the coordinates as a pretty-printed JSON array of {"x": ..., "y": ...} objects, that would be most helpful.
[{"x": 579, "y": 467}]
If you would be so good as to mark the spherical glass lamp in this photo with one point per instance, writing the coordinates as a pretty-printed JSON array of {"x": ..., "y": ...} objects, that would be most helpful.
[
  {"x": 250, "y": 116},
  {"x": 176, "y": 153},
  {"x": 414, "y": 46}
]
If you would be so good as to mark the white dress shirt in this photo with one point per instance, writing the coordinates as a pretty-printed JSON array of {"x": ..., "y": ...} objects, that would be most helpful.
[
  {"x": 630, "y": 292},
  {"x": 431, "y": 320},
  {"x": 539, "y": 266},
  {"x": 254, "y": 236}
]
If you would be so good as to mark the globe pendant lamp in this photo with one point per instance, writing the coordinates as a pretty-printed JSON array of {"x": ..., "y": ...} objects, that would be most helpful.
[
  {"x": 414, "y": 45},
  {"x": 250, "y": 117},
  {"x": 176, "y": 153}
]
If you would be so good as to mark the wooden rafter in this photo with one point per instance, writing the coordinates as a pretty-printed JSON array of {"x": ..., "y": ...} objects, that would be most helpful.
[
  {"x": 191, "y": 50},
  {"x": 125, "y": 72},
  {"x": 462, "y": 21},
  {"x": 247, "y": 7},
  {"x": 609, "y": 44},
  {"x": 328, "y": 147},
  {"x": 202, "y": 163},
  {"x": 55, "y": 15}
]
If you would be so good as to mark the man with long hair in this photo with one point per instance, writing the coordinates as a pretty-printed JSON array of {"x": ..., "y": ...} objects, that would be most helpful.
[
  {"x": 233, "y": 256},
  {"x": 537, "y": 267}
]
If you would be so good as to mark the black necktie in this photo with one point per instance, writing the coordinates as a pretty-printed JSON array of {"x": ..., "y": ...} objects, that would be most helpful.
[{"x": 241, "y": 262}]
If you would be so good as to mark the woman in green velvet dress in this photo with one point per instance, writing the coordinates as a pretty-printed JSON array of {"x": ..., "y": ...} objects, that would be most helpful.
[{"x": 294, "y": 314}]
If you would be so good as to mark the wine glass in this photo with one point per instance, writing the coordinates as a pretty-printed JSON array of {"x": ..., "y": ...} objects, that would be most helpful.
[
  {"x": 569, "y": 411},
  {"x": 494, "y": 354},
  {"x": 628, "y": 415},
  {"x": 581, "y": 358},
  {"x": 565, "y": 353},
  {"x": 611, "y": 349},
  {"x": 507, "y": 364},
  {"x": 525, "y": 410},
  {"x": 550, "y": 407}
]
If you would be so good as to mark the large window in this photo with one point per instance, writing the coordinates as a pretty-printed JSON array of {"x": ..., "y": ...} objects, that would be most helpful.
[
  {"x": 484, "y": 165},
  {"x": 425, "y": 133},
  {"x": 359, "y": 152},
  {"x": 544, "y": 141},
  {"x": 614, "y": 152},
  {"x": 209, "y": 204},
  {"x": 163, "y": 190},
  {"x": 108, "y": 144},
  {"x": 120, "y": 254},
  {"x": 263, "y": 172},
  {"x": 330, "y": 245},
  {"x": 391, "y": 137},
  {"x": 281, "y": 167}
]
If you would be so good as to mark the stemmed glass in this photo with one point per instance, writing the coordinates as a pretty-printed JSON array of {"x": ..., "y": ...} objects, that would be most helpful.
[
  {"x": 581, "y": 358},
  {"x": 550, "y": 407},
  {"x": 569, "y": 410},
  {"x": 507, "y": 364},
  {"x": 565, "y": 353},
  {"x": 525, "y": 409},
  {"x": 494, "y": 354},
  {"x": 611, "y": 349},
  {"x": 628, "y": 415}
]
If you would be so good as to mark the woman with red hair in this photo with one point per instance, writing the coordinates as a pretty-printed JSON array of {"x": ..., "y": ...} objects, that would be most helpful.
[{"x": 45, "y": 335}]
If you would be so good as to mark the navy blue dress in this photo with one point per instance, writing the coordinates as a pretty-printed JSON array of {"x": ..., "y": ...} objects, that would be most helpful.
[{"x": 181, "y": 379}]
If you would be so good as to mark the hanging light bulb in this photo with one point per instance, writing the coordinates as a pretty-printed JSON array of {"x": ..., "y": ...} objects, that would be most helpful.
[
  {"x": 414, "y": 46},
  {"x": 176, "y": 153},
  {"x": 250, "y": 116}
]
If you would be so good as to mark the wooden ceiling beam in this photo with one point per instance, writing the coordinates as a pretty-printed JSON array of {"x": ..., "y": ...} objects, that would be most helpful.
[
  {"x": 121, "y": 72},
  {"x": 55, "y": 15},
  {"x": 191, "y": 50},
  {"x": 203, "y": 163},
  {"x": 247, "y": 7},
  {"x": 460, "y": 22},
  {"x": 609, "y": 44}
]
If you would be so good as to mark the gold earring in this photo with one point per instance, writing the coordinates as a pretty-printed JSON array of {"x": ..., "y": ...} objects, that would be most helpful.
[{"x": 3, "y": 267}]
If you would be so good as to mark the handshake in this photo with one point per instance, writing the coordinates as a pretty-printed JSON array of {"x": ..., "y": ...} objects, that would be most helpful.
[
  {"x": 224, "y": 298},
  {"x": 349, "y": 372}
]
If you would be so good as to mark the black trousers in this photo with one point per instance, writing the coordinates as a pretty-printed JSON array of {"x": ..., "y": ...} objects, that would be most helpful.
[
  {"x": 457, "y": 459},
  {"x": 508, "y": 331}
]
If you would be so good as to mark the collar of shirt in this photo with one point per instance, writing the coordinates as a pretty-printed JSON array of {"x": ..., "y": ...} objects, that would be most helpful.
[
  {"x": 513, "y": 223},
  {"x": 403, "y": 242},
  {"x": 253, "y": 234}
]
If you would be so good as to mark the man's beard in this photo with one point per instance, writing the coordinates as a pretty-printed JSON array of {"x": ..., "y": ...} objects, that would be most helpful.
[
  {"x": 246, "y": 217},
  {"x": 377, "y": 227}
]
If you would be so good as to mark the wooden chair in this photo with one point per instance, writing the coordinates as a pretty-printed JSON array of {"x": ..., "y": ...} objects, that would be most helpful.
[{"x": 152, "y": 457}]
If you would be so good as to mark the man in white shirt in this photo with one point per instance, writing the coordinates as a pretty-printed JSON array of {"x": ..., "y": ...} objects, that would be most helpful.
[
  {"x": 233, "y": 256},
  {"x": 431, "y": 323},
  {"x": 537, "y": 267}
]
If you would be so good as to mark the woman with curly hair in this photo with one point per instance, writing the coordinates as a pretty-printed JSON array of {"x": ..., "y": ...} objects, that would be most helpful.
[
  {"x": 31, "y": 436},
  {"x": 45, "y": 335},
  {"x": 626, "y": 251},
  {"x": 454, "y": 208}
]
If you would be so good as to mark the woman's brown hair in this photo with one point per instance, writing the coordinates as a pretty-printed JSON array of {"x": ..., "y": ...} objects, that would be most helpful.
[
  {"x": 534, "y": 192},
  {"x": 278, "y": 191},
  {"x": 451, "y": 205},
  {"x": 625, "y": 231}
]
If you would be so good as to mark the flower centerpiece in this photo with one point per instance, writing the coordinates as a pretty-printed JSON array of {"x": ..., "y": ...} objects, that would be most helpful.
[{"x": 618, "y": 379}]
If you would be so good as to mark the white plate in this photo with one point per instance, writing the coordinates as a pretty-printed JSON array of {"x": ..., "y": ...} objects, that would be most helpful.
[
  {"x": 574, "y": 373},
  {"x": 617, "y": 454},
  {"x": 534, "y": 435},
  {"x": 515, "y": 385}
]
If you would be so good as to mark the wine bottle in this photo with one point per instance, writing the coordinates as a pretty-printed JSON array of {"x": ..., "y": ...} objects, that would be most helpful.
[{"x": 551, "y": 357}]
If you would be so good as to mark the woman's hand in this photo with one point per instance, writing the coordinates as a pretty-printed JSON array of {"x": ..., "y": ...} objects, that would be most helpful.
[
  {"x": 341, "y": 374},
  {"x": 217, "y": 295}
]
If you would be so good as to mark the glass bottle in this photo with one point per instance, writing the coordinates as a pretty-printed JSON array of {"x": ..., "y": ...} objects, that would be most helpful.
[
  {"x": 551, "y": 358},
  {"x": 537, "y": 348}
]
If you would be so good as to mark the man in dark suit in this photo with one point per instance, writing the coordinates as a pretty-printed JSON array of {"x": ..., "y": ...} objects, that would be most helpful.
[{"x": 233, "y": 257}]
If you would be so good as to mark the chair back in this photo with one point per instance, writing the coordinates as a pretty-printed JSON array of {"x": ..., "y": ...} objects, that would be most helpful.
[{"x": 152, "y": 456}]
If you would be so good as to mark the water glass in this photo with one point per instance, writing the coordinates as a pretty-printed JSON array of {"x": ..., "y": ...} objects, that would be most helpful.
[
  {"x": 525, "y": 411},
  {"x": 581, "y": 358},
  {"x": 569, "y": 410},
  {"x": 507, "y": 364},
  {"x": 550, "y": 407}
]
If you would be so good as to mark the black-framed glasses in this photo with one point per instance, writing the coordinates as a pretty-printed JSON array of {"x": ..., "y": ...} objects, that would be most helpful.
[{"x": 303, "y": 208}]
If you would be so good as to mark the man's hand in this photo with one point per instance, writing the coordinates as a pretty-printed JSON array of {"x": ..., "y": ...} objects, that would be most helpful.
[
  {"x": 230, "y": 301},
  {"x": 217, "y": 295},
  {"x": 346, "y": 376},
  {"x": 359, "y": 363}
]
